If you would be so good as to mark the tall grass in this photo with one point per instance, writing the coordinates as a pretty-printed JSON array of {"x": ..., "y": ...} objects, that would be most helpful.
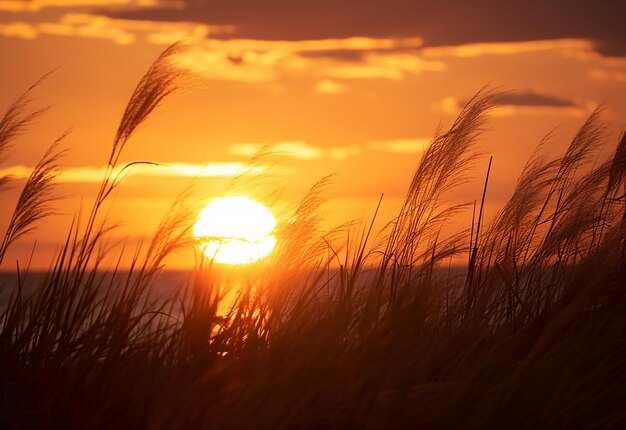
[{"x": 371, "y": 333}]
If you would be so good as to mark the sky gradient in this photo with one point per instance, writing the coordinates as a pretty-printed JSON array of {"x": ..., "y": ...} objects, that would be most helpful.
[{"x": 351, "y": 88}]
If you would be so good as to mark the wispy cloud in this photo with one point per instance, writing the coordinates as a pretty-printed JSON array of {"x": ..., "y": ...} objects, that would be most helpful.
[
  {"x": 523, "y": 103},
  {"x": 88, "y": 174},
  {"x": 296, "y": 149},
  {"x": 506, "y": 48},
  {"x": 327, "y": 86},
  {"x": 399, "y": 146},
  {"x": 575, "y": 111},
  {"x": 119, "y": 31},
  {"x": 20, "y": 30},
  {"x": 532, "y": 98},
  {"x": 383, "y": 65},
  {"x": 608, "y": 75},
  {"x": 263, "y": 60},
  {"x": 303, "y": 151},
  {"x": 32, "y": 6},
  {"x": 246, "y": 60}
]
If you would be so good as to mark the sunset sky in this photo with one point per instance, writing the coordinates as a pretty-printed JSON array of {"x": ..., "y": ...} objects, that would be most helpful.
[{"x": 355, "y": 88}]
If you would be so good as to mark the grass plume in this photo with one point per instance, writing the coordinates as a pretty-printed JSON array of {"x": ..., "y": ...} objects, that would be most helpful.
[
  {"x": 16, "y": 119},
  {"x": 35, "y": 201},
  {"x": 531, "y": 334}
]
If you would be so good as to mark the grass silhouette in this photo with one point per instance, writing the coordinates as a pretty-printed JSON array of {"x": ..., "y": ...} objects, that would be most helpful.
[{"x": 531, "y": 334}]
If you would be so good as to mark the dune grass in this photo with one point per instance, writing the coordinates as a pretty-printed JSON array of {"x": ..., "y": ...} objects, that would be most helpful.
[{"x": 365, "y": 332}]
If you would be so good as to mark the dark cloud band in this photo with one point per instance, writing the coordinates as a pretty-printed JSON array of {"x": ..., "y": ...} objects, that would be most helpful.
[
  {"x": 439, "y": 23},
  {"x": 530, "y": 99}
]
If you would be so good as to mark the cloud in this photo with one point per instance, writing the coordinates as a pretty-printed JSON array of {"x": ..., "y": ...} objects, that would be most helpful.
[
  {"x": 92, "y": 29},
  {"x": 32, "y": 6},
  {"x": 20, "y": 30},
  {"x": 26, "y": 6},
  {"x": 393, "y": 66},
  {"x": 399, "y": 146},
  {"x": 122, "y": 32},
  {"x": 608, "y": 75},
  {"x": 344, "y": 55},
  {"x": 264, "y": 61},
  {"x": 233, "y": 65},
  {"x": 364, "y": 72},
  {"x": 343, "y": 152},
  {"x": 88, "y": 174},
  {"x": 472, "y": 24},
  {"x": 450, "y": 23},
  {"x": 328, "y": 86},
  {"x": 303, "y": 151},
  {"x": 243, "y": 60},
  {"x": 245, "y": 149},
  {"x": 522, "y": 102},
  {"x": 511, "y": 110},
  {"x": 506, "y": 48},
  {"x": 531, "y": 98},
  {"x": 460, "y": 51},
  {"x": 296, "y": 149}
]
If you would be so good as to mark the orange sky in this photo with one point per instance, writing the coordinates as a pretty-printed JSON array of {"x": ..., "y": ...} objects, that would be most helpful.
[{"x": 357, "y": 91}]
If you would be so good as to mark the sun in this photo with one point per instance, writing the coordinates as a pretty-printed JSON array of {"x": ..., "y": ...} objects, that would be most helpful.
[{"x": 235, "y": 230}]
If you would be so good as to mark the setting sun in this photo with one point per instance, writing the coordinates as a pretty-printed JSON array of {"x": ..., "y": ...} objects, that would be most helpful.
[{"x": 235, "y": 230}]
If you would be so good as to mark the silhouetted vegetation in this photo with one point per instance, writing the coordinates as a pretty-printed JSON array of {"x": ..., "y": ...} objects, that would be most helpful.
[{"x": 369, "y": 334}]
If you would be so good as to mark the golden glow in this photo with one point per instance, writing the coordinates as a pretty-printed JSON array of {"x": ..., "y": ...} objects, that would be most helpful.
[
  {"x": 88, "y": 174},
  {"x": 235, "y": 230}
]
